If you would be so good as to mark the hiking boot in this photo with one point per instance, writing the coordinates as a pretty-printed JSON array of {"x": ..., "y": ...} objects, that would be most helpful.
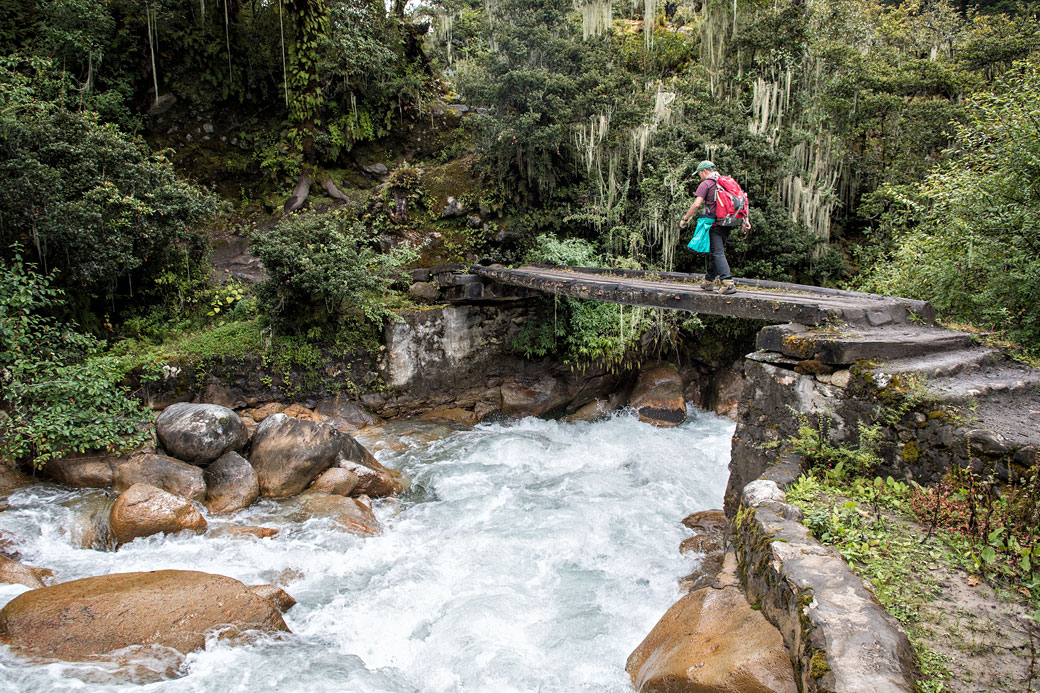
[
  {"x": 728, "y": 286},
  {"x": 707, "y": 285}
]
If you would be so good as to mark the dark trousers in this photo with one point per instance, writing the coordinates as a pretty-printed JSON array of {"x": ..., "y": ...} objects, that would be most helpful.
[{"x": 718, "y": 266}]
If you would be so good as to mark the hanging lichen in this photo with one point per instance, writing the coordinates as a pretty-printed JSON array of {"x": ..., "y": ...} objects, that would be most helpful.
[{"x": 596, "y": 17}]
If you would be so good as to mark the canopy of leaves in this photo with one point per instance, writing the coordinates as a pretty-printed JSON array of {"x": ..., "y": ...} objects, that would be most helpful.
[
  {"x": 971, "y": 245},
  {"x": 83, "y": 198}
]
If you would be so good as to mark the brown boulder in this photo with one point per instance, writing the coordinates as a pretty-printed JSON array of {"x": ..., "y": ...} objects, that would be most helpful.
[
  {"x": 707, "y": 521},
  {"x": 260, "y": 413},
  {"x": 456, "y": 414},
  {"x": 288, "y": 454},
  {"x": 169, "y": 474},
  {"x": 728, "y": 388},
  {"x": 298, "y": 411},
  {"x": 335, "y": 482},
  {"x": 281, "y": 599},
  {"x": 712, "y": 640},
  {"x": 701, "y": 543},
  {"x": 247, "y": 530},
  {"x": 143, "y": 510},
  {"x": 373, "y": 478},
  {"x": 81, "y": 619},
  {"x": 12, "y": 480},
  {"x": 532, "y": 397},
  {"x": 231, "y": 484},
  {"x": 658, "y": 396},
  {"x": 89, "y": 470},
  {"x": 349, "y": 513},
  {"x": 15, "y": 573},
  {"x": 595, "y": 410}
]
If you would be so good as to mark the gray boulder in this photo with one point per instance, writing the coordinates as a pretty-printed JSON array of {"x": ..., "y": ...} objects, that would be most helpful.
[
  {"x": 231, "y": 484},
  {"x": 173, "y": 476},
  {"x": 200, "y": 433}
]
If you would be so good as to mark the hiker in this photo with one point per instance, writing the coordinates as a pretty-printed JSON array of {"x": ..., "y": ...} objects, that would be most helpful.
[{"x": 718, "y": 277}]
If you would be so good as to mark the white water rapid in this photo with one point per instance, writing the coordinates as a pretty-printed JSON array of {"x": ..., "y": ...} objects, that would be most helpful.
[{"x": 528, "y": 556}]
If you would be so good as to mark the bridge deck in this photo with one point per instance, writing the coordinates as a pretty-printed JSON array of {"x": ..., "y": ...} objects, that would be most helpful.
[{"x": 763, "y": 300}]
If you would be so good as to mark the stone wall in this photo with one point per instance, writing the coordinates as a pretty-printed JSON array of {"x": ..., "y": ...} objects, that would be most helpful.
[
  {"x": 838, "y": 636},
  {"x": 922, "y": 435}
]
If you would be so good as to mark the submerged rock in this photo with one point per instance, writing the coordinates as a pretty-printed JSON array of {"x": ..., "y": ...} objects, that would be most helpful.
[
  {"x": 200, "y": 433},
  {"x": 281, "y": 599},
  {"x": 81, "y": 619},
  {"x": 143, "y": 510},
  {"x": 171, "y": 475},
  {"x": 349, "y": 513},
  {"x": 712, "y": 640},
  {"x": 231, "y": 484},
  {"x": 658, "y": 396}
]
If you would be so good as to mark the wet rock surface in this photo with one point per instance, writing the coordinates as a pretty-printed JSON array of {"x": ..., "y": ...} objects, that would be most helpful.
[
  {"x": 80, "y": 619},
  {"x": 231, "y": 484},
  {"x": 91, "y": 470},
  {"x": 16, "y": 573},
  {"x": 199, "y": 433},
  {"x": 144, "y": 510},
  {"x": 712, "y": 640},
  {"x": 658, "y": 396},
  {"x": 171, "y": 475},
  {"x": 288, "y": 454},
  {"x": 348, "y": 513}
]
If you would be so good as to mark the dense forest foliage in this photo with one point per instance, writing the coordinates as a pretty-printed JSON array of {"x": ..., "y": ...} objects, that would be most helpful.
[{"x": 887, "y": 146}]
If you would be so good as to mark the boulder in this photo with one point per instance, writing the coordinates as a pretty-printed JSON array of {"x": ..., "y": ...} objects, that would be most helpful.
[
  {"x": 288, "y": 454},
  {"x": 658, "y": 396},
  {"x": 200, "y": 433},
  {"x": 425, "y": 292},
  {"x": 143, "y": 510},
  {"x": 373, "y": 478},
  {"x": 532, "y": 397},
  {"x": 214, "y": 392},
  {"x": 81, "y": 619},
  {"x": 701, "y": 543},
  {"x": 247, "y": 530},
  {"x": 456, "y": 414},
  {"x": 15, "y": 573},
  {"x": 12, "y": 480},
  {"x": 707, "y": 521},
  {"x": 349, "y": 513},
  {"x": 728, "y": 387},
  {"x": 262, "y": 412},
  {"x": 298, "y": 411},
  {"x": 346, "y": 414},
  {"x": 231, "y": 484},
  {"x": 335, "y": 482},
  {"x": 88, "y": 470},
  {"x": 281, "y": 599},
  {"x": 712, "y": 640},
  {"x": 176, "y": 477},
  {"x": 595, "y": 410}
]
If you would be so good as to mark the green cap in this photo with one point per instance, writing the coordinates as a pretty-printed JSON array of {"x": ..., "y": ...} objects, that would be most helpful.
[{"x": 705, "y": 166}]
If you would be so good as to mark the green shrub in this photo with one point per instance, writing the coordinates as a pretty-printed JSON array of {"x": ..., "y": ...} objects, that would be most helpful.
[
  {"x": 972, "y": 247},
  {"x": 58, "y": 393},
  {"x": 84, "y": 198},
  {"x": 326, "y": 275}
]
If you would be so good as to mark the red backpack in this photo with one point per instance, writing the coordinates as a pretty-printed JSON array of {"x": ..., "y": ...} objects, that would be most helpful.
[{"x": 731, "y": 202}]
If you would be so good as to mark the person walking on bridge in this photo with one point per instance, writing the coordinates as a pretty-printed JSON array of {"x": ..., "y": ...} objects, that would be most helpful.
[{"x": 718, "y": 277}]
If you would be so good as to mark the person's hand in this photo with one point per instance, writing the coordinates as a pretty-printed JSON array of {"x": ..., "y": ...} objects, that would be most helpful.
[
  {"x": 682, "y": 223},
  {"x": 746, "y": 227}
]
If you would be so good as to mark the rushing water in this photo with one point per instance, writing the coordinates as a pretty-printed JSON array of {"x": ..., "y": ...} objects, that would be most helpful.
[{"x": 528, "y": 556}]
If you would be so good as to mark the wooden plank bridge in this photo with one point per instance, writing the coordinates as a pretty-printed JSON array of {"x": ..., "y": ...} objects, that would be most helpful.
[{"x": 777, "y": 302}]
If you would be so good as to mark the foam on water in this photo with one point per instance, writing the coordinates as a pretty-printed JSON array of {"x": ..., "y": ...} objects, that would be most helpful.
[{"x": 528, "y": 556}]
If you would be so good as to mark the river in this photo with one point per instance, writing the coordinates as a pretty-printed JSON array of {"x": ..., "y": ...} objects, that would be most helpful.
[{"x": 527, "y": 556}]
